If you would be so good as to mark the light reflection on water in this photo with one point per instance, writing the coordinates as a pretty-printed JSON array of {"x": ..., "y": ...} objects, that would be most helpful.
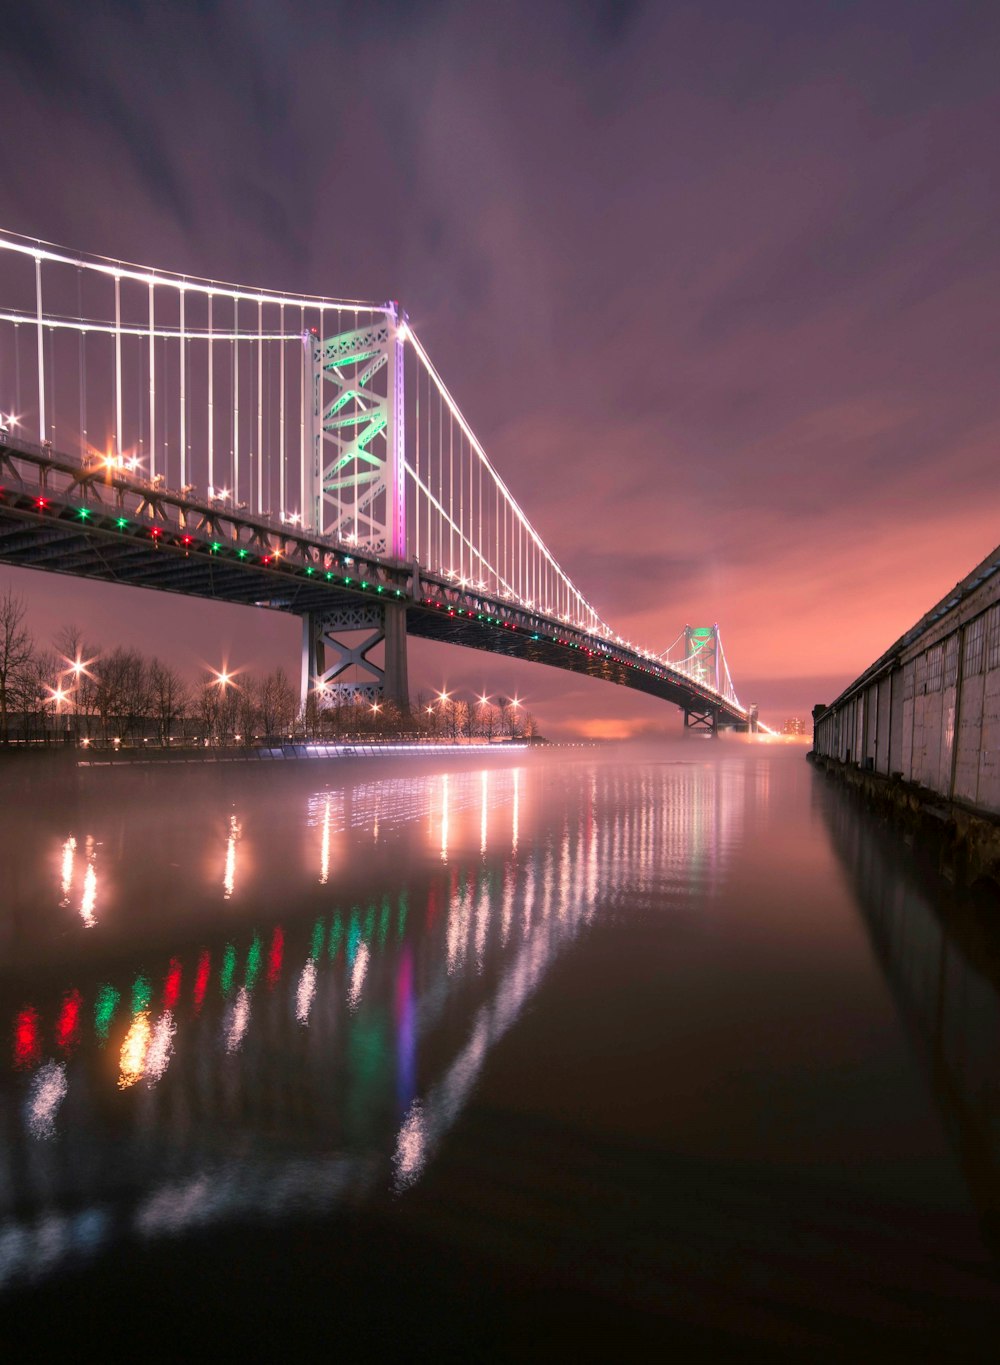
[{"x": 314, "y": 1027}]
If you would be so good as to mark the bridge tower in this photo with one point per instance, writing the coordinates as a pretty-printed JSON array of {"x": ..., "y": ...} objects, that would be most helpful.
[
  {"x": 355, "y": 491},
  {"x": 701, "y": 663}
]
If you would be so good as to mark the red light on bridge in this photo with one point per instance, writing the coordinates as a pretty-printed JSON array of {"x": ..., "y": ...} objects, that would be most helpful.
[
  {"x": 187, "y": 540},
  {"x": 41, "y": 502},
  {"x": 156, "y": 532}
]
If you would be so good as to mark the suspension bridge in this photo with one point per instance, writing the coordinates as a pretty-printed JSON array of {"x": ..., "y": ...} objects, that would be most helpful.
[{"x": 299, "y": 454}]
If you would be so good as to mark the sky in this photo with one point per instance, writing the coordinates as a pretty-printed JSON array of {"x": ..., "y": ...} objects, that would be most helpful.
[{"x": 715, "y": 285}]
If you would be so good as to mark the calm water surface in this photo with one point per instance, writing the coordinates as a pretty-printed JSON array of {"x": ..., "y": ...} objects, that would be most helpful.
[{"x": 567, "y": 1056}]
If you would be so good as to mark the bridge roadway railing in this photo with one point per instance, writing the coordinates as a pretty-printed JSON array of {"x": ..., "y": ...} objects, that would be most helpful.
[{"x": 98, "y": 519}]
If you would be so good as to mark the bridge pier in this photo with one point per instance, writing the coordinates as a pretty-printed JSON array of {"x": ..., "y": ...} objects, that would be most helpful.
[
  {"x": 707, "y": 719},
  {"x": 349, "y": 634}
]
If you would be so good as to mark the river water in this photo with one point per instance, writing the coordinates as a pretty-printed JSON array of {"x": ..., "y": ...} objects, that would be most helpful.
[{"x": 573, "y": 1055}]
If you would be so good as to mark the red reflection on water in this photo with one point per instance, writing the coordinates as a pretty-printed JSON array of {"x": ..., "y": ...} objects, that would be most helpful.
[
  {"x": 432, "y": 905},
  {"x": 172, "y": 985},
  {"x": 275, "y": 954},
  {"x": 68, "y": 1023},
  {"x": 27, "y": 1038},
  {"x": 201, "y": 979}
]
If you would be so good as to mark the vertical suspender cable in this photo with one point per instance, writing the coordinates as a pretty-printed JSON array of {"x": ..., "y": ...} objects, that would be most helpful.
[
  {"x": 416, "y": 457},
  {"x": 451, "y": 494},
  {"x": 52, "y": 384},
  {"x": 183, "y": 388},
  {"x": 83, "y": 392},
  {"x": 235, "y": 353},
  {"x": 152, "y": 384},
  {"x": 302, "y": 417},
  {"x": 41, "y": 350},
  {"x": 211, "y": 403},
  {"x": 260, "y": 407},
  {"x": 482, "y": 546},
  {"x": 79, "y": 314},
  {"x": 119, "y": 448},
  {"x": 281, "y": 415}
]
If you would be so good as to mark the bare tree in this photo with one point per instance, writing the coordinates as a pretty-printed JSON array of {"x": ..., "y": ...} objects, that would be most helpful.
[
  {"x": 170, "y": 697},
  {"x": 16, "y": 649},
  {"x": 36, "y": 690},
  {"x": 248, "y": 709},
  {"x": 278, "y": 703},
  {"x": 208, "y": 709},
  {"x": 124, "y": 695}
]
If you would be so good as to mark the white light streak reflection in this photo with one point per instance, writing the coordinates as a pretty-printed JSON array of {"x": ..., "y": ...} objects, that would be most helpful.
[
  {"x": 89, "y": 901},
  {"x": 160, "y": 1049},
  {"x": 482, "y": 923},
  {"x": 458, "y": 929},
  {"x": 305, "y": 992},
  {"x": 514, "y": 819},
  {"x": 484, "y": 810},
  {"x": 324, "y": 857},
  {"x": 507, "y": 908},
  {"x": 229, "y": 878},
  {"x": 444, "y": 818},
  {"x": 68, "y": 859},
  {"x": 48, "y": 1090},
  {"x": 428, "y": 1119},
  {"x": 238, "y": 1017},
  {"x": 409, "y": 1155},
  {"x": 358, "y": 972}
]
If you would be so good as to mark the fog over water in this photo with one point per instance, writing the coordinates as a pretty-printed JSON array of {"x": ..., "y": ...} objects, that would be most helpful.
[{"x": 629, "y": 1044}]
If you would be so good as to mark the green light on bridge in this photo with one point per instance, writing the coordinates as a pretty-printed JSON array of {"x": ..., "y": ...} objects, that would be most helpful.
[
  {"x": 243, "y": 553},
  {"x": 216, "y": 547},
  {"x": 121, "y": 523},
  {"x": 83, "y": 513}
]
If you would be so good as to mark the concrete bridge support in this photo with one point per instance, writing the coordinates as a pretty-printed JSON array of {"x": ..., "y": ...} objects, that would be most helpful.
[
  {"x": 349, "y": 635},
  {"x": 707, "y": 719}
]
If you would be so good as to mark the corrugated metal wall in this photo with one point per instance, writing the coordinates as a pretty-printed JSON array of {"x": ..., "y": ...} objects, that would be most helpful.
[{"x": 932, "y": 711}]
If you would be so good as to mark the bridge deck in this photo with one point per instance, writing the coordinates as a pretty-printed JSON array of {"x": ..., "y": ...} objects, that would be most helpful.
[{"x": 62, "y": 517}]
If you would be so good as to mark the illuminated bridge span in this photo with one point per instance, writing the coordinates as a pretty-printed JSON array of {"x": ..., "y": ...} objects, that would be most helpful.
[{"x": 297, "y": 453}]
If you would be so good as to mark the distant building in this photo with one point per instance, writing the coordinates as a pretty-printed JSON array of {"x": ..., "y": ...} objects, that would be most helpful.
[{"x": 793, "y": 726}]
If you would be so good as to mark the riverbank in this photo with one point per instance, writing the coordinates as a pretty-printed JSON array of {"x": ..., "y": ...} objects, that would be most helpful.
[{"x": 962, "y": 843}]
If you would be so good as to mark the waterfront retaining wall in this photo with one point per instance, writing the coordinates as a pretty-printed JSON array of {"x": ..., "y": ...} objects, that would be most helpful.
[{"x": 927, "y": 712}]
